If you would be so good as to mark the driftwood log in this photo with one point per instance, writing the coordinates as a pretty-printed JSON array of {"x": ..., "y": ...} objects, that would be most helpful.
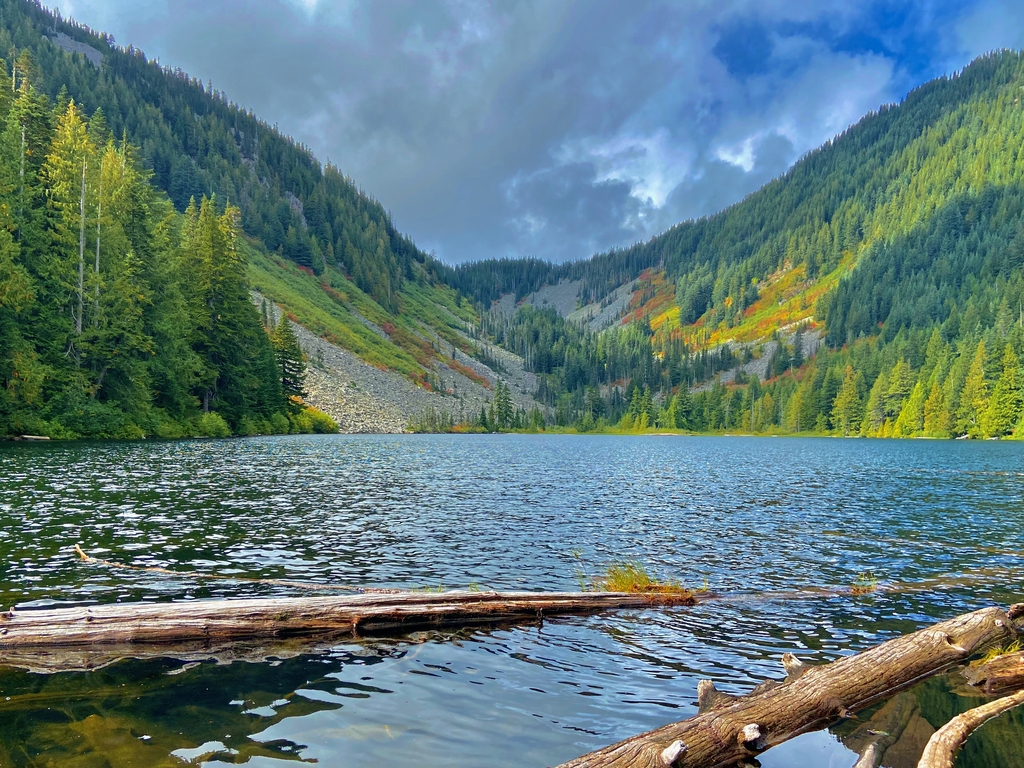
[
  {"x": 944, "y": 743},
  {"x": 730, "y": 729},
  {"x": 255, "y": 618},
  {"x": 1001, "y": 674}
]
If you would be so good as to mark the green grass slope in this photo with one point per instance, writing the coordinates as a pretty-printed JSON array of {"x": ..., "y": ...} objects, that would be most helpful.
[{"x": 331, "y": 305}]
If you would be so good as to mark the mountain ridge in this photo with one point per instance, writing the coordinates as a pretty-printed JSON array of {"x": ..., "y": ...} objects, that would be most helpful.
[
  {"x": 874, "y": 241},
  {"x": 316, "y": 245},
  {"x": 785, "y": 257}
]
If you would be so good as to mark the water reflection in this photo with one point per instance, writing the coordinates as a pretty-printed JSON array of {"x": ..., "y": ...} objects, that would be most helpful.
[
  {"x": 748, "y": 515},
  {"x": 900, "y": 727}
]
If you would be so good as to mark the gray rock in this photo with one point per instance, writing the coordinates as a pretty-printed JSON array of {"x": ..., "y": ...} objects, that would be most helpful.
[{"x": 365, "y": 399}]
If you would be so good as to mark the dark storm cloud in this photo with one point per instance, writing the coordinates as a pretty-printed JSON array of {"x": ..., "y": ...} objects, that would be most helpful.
[{"x": 547, "y": 128}]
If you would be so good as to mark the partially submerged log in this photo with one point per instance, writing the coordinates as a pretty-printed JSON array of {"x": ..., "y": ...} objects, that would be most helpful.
[
  {"x": 89, "y": 658},
  {"x": 729, "y": 731},
  {"x": 944, "y": 744},
  {"x": 211, "y": 621},
  {"x": 1001, "y": 674}
]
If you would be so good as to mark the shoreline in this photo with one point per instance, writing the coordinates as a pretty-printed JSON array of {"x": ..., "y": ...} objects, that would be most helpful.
[{"x": 38, "y": 439}]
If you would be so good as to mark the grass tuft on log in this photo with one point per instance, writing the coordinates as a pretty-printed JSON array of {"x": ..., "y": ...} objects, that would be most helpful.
[{"x": 632, "y": 577}]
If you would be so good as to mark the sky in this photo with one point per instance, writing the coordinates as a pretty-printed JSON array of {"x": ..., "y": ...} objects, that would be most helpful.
[{"x": 558, "y": 128}]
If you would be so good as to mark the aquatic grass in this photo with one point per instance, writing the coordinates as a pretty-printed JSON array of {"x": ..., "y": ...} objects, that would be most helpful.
[
  {"x": 580, "y": 571},
  {"x": 996, "y": 651},
  {"x": 865, "y": 583},
  {"x": 438, "y": 589},
  {"x": 632, "y": 576}
]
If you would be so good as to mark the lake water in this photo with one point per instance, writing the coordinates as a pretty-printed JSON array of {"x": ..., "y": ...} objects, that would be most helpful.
[{"x": 750, "y": 518}]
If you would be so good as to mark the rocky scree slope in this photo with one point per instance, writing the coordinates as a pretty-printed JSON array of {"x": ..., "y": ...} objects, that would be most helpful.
[{"x": 365, "y": 399}]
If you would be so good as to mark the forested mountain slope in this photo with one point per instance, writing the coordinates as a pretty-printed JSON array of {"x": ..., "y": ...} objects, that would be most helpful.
[
  {"x": 899, "y": 245},
  {"x": 197, "y": 142},
  {"x": 901, "y": 241},
  {"x": 119, "y": 317},
  {"x": 304, "y": 235}
]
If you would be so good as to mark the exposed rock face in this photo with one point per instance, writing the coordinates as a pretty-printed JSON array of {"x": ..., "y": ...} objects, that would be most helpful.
[
  {"x": 73, "y": 46},
  {"x": 810, "y": 343},
  {"x": 365, "y": 399},
  {"x": 604, "y": 313},
  {"x": 296, "y": 205},
  {"x": 564, "y": 298}
]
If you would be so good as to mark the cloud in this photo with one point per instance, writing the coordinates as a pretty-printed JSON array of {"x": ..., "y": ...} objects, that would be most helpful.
[
  {"x": 651, "y": 165},
  {"x": 555, "y": 129},
  {"x": 989, "y": 26}
]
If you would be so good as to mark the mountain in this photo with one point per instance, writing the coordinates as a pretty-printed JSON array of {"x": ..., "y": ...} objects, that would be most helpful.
[
  {"x": 875, "y": 288},
  {"x": 899, "y": 245},
  {"x": 303, "y": 238}
]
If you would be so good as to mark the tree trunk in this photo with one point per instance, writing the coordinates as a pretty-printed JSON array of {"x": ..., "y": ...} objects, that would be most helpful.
[
  {"x": 248, "y": 618},
  {"x": 81, "y": 257},
  {"x": 21, "y": 192},
  {"x": 735, "y": 729},
  {"x": 96, "y": 266},
  {"x": 945, "y": 742}
]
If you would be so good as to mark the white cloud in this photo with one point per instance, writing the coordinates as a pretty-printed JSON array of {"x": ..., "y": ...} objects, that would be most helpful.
[
  {"x": 742, "y": 154},
  {"x": 989, "y": 26},
  {"x": 651, "y": 165},
  {"x": 548, "y": 128},
  {"x": 832, "y": 92}
]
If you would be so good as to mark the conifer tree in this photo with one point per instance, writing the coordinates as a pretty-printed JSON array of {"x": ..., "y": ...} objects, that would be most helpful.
[
  {"x": 767, "y": 412},
  {"x": 682, "y": 407},
  {"x": 911, "y": 418},
  {"x": 846, "y": 412},
  {"x": 65, "y": 172},
  {"x": 238, "y": 374},
  {"x": 503, "y": 405},
  {"x": 874, "y": 413},
  {"x": 290, "y": 364},
  {"x": 1004, "y": 406},
  {"x": 936, "y": 413},
  {"x": 901, "y": 381},
  {"x": 973, "y": 396}
]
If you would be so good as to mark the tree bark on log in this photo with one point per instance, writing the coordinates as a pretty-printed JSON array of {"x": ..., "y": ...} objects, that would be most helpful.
[
  {"x": 944, "y": 743},
  {"x": 1001, "y": 674},
  {"x": 253, "y": 618},
  {"x": 732, "y": 730}
]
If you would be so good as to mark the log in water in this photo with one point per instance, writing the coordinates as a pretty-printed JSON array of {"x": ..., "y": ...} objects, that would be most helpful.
[
  {"x": 253, "y": 618},
  {"x": 944, "y": 743},
  {"x": 732, "y": 729},
  {"x": 1001, "y": 674}
]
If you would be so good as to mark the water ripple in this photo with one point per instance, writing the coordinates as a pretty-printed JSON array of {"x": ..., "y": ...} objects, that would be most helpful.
[{"x": 744, "y": 516}]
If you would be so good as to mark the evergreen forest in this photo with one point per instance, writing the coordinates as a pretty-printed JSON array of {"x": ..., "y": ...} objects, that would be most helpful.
[
  {"x": 120, "y": 317},
  {"x": 876, "y": 288}
]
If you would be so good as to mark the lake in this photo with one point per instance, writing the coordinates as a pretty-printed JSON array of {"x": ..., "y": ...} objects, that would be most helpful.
[{"x": 753, "y": 519}]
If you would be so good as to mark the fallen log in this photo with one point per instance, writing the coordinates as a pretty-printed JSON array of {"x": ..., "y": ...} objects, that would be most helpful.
[
  {"x": 1001, "y": 674},
  {"x": 730, "y": 730},
  {"x": 89, "y": 658},
  {"x": 252, "y": 618},
  {"x": 945, "y": 742}
]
